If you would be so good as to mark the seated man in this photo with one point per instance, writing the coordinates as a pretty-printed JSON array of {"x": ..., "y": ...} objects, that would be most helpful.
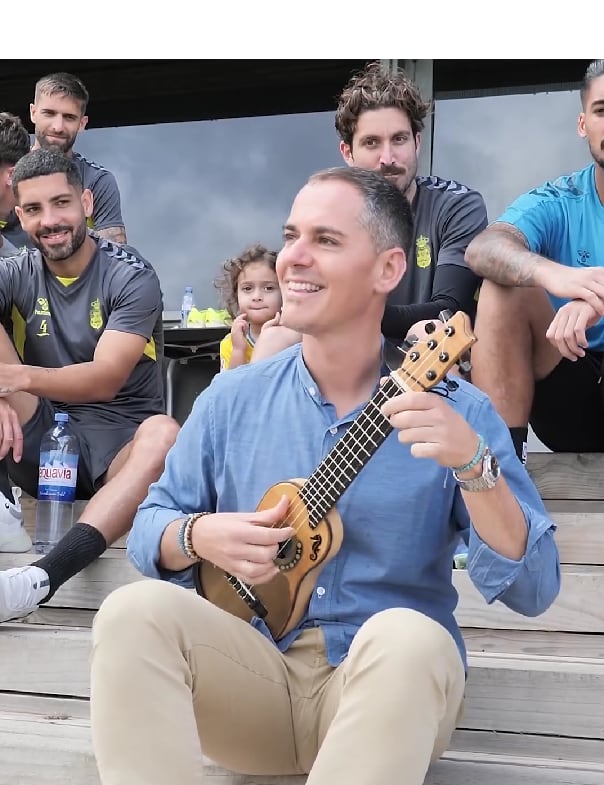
[
  {"x": 375, "y": 660},
  {"x": 58, "y": 114},
  {"x": 540, "y": 349},
  {"x": 14, "y": 144},
  {"x": 379, "y": 120},
  {"x": 86, "y": 338}
]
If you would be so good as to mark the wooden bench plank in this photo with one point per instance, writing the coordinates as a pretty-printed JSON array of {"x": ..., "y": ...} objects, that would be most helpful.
[
  {"x": 528, "y": 693},
  {"x": 576, "y": 609},
  {"x": 580, "y": 532},
  {"x": 50, "y": 748},
  {"x": 45, "y": 660},
  {"x": 567, "y": 475},
  {"x": 528, "y": 745},
  {"x": 548, "y": 644},
  {"x": 542, "y": 695}
]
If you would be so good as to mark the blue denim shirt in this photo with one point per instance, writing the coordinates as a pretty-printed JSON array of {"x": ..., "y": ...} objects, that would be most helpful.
[{"x": 267, "y": 422}]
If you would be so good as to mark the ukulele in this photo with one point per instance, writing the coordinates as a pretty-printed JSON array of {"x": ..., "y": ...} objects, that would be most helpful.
[{"x": 282, "y": 601}]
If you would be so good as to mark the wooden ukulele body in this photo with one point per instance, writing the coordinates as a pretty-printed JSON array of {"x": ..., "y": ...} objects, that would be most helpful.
[{"x": 286, "y": 596}]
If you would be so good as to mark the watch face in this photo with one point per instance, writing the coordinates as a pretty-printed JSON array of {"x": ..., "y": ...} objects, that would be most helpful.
[{"x": 493, "y": 466}]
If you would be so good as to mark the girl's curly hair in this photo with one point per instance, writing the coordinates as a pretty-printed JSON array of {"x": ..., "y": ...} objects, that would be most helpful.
[{"x": 227, "y": 281}]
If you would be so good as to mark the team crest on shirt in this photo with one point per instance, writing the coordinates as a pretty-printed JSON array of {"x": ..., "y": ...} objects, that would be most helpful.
[
  {"x": 96, "y": 317},
  {"x": 423, "y": 255},
  {"x": 41, "y": 308}
]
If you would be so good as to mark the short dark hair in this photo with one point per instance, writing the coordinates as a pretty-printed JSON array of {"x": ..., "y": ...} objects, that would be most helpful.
[
  {"x": 14, "y": 139},
  {"x": 374, "y": 88},
  {"x": 64, "y": 84},
  {"x": 39, "y": 163},
  {"x": 594, "y": 71},
  {"x": 387, "y": 213},
  {"x": 227, "y": 281}
]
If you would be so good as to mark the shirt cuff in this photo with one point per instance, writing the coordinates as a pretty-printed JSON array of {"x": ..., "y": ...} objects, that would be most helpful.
[
  {"x": 143, "y": 545},
  {"x": 492, "y": 573}
]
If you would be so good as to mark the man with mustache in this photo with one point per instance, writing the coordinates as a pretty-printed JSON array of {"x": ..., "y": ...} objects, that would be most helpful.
[
  {"x": 540, "y": 353},
  {"x": 380, "y": 119},
  {"x": 86, "y": 338},
  {"x": 59, "y": 114}
]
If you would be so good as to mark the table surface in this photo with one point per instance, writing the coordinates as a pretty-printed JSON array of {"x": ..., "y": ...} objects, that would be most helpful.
[{"x": 182, "y": 341}]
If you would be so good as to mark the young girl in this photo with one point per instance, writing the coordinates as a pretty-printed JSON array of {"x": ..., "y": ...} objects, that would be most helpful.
[{"x": 251, "y": 295}]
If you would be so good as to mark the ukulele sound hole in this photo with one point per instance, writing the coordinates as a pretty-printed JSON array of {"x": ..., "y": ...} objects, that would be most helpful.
[{"x": 289, "y": 554}]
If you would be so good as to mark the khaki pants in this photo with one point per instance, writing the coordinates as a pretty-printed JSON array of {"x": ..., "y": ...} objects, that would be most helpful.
[{"x": 172, "y": 674}]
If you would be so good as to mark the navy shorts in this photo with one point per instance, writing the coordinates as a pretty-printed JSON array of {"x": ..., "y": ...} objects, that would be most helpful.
[
  {"x": 99, "y": 443},
  {"x": 568, "y": 407}
]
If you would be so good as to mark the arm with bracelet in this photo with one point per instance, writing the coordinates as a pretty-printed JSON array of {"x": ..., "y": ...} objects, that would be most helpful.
[{"x": 512, "y": 555}]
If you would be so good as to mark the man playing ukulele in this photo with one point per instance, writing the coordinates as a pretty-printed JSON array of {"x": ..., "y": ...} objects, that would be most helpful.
[{"x": 366, "y": 687}]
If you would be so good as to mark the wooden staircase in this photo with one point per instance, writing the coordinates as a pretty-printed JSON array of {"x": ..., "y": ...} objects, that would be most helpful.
[{"x": 534, "y": 712}]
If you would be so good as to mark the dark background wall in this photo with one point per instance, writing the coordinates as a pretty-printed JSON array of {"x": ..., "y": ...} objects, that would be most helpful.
[{"x": 136, "y": 92}]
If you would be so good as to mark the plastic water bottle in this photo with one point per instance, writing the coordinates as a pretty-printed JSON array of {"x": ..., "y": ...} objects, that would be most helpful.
[
  {"x": 57, "y": 479},
  {"x": 188, "y": 303}
]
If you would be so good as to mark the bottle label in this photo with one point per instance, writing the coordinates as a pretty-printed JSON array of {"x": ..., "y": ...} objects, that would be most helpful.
[{"x": 57, "y": 477}]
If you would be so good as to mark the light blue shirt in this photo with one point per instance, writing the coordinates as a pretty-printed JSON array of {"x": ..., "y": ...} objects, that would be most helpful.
[
  {"x": 563, "y": 220},
  {"x": 267, "y": 422}
]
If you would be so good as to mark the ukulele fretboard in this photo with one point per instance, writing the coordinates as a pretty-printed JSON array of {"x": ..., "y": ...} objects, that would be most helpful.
[{"x": 348, "y": 456}]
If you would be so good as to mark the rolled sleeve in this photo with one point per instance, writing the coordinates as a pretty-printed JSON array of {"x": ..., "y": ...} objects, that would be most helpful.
[
  {"x": 143, "y": 545},
  {"x": 528, "y": 586}
]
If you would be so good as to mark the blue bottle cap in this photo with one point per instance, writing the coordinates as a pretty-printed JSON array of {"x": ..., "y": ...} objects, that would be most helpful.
[{"x": 61, "y": 417}]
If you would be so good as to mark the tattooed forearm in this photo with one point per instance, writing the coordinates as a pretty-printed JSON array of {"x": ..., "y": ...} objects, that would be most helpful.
[
  {"x": 500, "y": 254},
  {"x": 117, "y": 234}
]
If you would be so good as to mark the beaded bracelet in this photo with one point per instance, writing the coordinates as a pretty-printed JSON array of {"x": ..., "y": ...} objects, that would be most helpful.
[
  {"x": 475, "y": 460},
  {"x": 185, "y": 536}
]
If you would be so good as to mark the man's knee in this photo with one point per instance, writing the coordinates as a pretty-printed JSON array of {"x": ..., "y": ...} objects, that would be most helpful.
[
  {"x": 402, "y": 639},
  {"x": 129, "y": 613},
  {"x": 156, "y": 435}
]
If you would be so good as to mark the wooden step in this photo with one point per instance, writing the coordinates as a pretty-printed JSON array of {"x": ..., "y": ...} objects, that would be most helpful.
[
  {"x": 527, "y": 693},
  {"x": 576, "y": 609},
  {"x": 44, "y": 738},
  {"x": 567, "y": 475},
  {"x": 573, "y": 611}
]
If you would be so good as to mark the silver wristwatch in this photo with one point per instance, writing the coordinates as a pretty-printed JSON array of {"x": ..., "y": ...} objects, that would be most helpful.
[{"x": 487, "y": 480}]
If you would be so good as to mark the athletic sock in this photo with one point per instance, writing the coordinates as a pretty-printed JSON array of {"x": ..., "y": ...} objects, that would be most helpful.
[
  {"x": 5, "y": 483},
  {"x": 77, "y": 549},
  {"x": 520, "y": 437}
]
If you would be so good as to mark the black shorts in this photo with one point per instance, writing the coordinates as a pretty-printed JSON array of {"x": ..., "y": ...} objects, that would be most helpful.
[
  {"x": 568, "y": 407},
  {"x": 99, "y": 444}
]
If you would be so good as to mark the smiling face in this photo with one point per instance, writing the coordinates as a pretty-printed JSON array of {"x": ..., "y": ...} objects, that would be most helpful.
[
  {"x": 54, "y": 213},
  {"x": 57, "y": 121},
  {"x": 383, "y": 141},
  {"x": 332, "y": 278},
  {"x": 258, "y": 293}
]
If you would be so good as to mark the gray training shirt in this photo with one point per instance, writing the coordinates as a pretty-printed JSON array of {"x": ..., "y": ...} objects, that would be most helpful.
[
  {"x": 54, "y": 325},
  {"x": 446, "y": 216}
]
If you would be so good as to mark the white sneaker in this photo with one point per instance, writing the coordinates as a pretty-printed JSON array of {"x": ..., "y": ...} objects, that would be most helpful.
[
  {"x": 22, "y": 589},
  {"x": 13, "y": 536}
]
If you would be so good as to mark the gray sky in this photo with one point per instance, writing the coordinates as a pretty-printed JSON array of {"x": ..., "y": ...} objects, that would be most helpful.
[
  {"x": 505, "y": 145},
  {"x": 194, "y": 194}
]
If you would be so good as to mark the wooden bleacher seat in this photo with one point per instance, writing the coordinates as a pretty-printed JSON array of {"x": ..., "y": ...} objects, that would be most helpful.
[{"x": 534, "y": 712}]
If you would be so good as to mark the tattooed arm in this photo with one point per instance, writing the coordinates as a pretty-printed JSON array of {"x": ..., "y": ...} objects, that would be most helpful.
[
  {"x": 117, "y": 234},
  {"x": 500, "y": 254}
]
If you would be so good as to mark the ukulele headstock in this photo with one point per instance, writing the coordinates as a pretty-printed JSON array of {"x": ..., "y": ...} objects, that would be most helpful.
[{"x": 427, "y": 362}]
